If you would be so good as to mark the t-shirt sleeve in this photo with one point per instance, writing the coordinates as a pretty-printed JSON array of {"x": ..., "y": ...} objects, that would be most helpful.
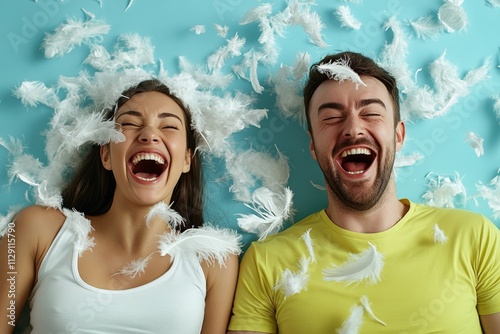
[
  {"x": 488, "y": 269},
  {"x": 253, "y": 308}
]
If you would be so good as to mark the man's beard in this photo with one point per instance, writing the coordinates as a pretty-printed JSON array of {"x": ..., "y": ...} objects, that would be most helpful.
[{"x": 359, "y": 197}]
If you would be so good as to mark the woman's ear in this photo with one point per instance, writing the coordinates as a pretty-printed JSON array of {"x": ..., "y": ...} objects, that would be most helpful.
[
  {"x": 105, "y": 157},
  {"x": 187, "y": 161}
]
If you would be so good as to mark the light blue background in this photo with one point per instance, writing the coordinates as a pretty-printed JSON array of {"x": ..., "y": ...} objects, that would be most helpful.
[{"x": 168, "y": 24}]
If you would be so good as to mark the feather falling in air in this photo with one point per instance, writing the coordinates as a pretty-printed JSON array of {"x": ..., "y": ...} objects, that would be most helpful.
[
  {"x": 439, "y": 236},
  {"x": 476, "y": 142},
  {"x": 33, "y": 92},
  {"x": 198, "y": 29},
  {"x": 165, "y": 213},
  {"x": 444, "y": 191},
  {"x": 491, "y": 193},
  {"x": 72, "y": 33},
  {"x": 272, "y": 210},
  {"x": 207, "y": 243},
  {"x": 365, "y": 266},
  {"x": 346, "y": 18},
  {"x": 427, "y": 27}
]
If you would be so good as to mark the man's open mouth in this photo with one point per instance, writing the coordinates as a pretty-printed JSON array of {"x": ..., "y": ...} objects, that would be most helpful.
[
  {"x": 356, "y": 160},
  {"x": 148, "y": 166}
]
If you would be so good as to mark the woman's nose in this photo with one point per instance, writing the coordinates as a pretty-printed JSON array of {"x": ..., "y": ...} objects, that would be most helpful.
[{"x": 148, "y": 135}]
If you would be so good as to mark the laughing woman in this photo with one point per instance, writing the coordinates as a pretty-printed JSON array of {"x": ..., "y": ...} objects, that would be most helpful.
[{"x": 127, "y": 253}]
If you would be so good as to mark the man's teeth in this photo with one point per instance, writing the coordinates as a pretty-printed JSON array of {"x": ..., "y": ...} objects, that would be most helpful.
[
  {"x": 356, "y": 172},
  {"x": 353, "y": 151},
  {"x": 148, "y": 156}
]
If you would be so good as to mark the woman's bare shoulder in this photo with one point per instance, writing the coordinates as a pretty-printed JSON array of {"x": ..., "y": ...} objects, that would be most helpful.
[{"x": 39, "y": 220}]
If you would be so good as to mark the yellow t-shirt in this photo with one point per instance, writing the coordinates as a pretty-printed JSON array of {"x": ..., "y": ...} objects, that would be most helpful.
[{"x": 425, "y": 286}]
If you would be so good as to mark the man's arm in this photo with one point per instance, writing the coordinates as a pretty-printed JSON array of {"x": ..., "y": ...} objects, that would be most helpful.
[{"x": 490, "y": 323}]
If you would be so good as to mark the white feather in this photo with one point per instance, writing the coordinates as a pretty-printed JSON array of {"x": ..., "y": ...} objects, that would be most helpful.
[
  {"x": 496, "y": 105},
  {"x": 134, "y": 268},
  {"x": 272, "y": 210},
  {"x": 366, "y": 305},
  {"x": 318, "y": 186},
  {"x": 407, "y": 160},
  {"x": 439, "y": 236},
  {"x": 249, "y": 168},
  {"x": 476, "y": 142},
  {"x": 221, "y": 30},
  {"x": 165, "y": 213},
  {"x": 82, "y": 228},
  {"x": 7, "y": 221},
  {"x": 130, "y": 2},
  {"x": 309, "y": 244},
  {"x": 212, "y": 80},
  {"x": 301, "y": 15},
  {"x": 453, "y": 17},
  {"x": 479, "y": 74},
  {"x": 426, "y": 27},
  {"x": 443, "y": 191},
  {"x": 33, "y": 92},
  {"x": 365, "y": 266},
  {"x": 198, "y": 29},
  {"x": 233, "y": 48},
  {"x": 340, "y": 71},
  {"x": 346, "y": 18},
  {"x": 14, "y": 146},
  {"x": 208, "y": 243},
  {"x": 491, "y": 193},
  {"x": 353, "y": 323},
  {"x": 494, "y": 3},
  {"x": 70, "y": 34},
  {"x": 291, "y": 283}
]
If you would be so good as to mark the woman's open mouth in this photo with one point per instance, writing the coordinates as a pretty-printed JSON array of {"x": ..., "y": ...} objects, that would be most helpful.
[
  {"x": 148, "y": 166},
  {"x": 356, "y": 160}
]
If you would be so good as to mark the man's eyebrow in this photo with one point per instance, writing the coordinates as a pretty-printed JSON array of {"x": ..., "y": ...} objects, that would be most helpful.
[
  {"x": 366, "y": 102},
  {"x": 330, "y": 105}
]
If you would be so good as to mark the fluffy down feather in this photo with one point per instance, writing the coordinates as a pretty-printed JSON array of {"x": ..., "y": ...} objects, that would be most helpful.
[
  {"x": 365, "y": 266},
  {"x": 208, "y": 243}
]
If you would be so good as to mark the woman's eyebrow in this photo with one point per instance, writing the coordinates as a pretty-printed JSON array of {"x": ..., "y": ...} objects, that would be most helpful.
[
  {"x": 168, "y": 114},
  {"x": 129, "y": 112}
]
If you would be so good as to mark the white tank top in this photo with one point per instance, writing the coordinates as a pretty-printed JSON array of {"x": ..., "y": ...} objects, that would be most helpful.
[{"x": 61, "y": 302}]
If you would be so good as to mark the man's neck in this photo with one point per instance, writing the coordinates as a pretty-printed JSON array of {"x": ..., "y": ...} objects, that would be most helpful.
[{"x": 385, "y": 214}]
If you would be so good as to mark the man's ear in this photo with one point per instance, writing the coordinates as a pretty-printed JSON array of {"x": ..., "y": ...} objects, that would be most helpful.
[
  {"x": 105, "y": 157},
  {"x": 187, "y": 161},
  {"x": 311, "y": 146},
  {"x": 400, "y": 135}
]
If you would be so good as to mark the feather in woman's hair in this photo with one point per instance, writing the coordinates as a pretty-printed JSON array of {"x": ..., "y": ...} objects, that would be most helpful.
[
  {"x": 70, "y": 34},
  {"x": 346, "y": 18},
  {"x": 365, "y": 266},
  {"x": 439, "y": 236},
  {"x": 33, "y": 92},
  {"x": 491, "y": 193},
  {"x": 353, "y": 323},
  {"x": 339, "y": 70},
  {"x": 272, "y": 210},
  {"x": 165, "y": 213},
  {"x": 208, "y": 243},
  {"x": 426, "y": 27},
  {"x": 291, "y": 283}
]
